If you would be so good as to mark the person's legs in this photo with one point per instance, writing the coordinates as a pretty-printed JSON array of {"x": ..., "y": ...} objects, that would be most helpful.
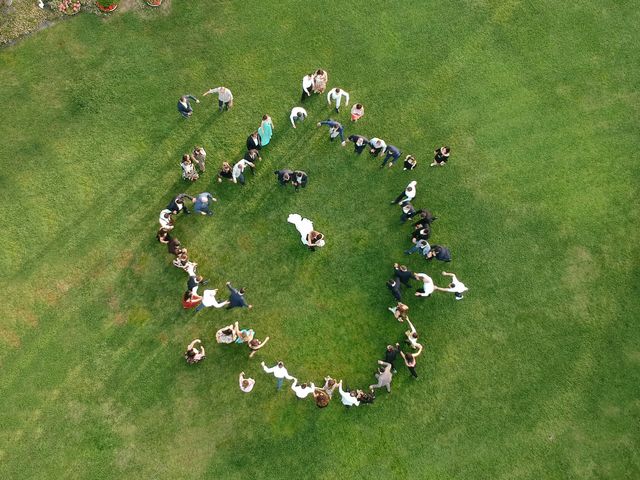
[
  {"x": 220, "y": 105},
  {"x": 359, "y": 149},
  {"x": 384, "y": 161},
  {"x": 412, "y": 250},
  {"x": 413, "y": 372},
  {"x": 399, "y": 198},
  {"x": 279, "y": 384},
  {"x": 341, "y": 133},
  {"x": 241, "y": 179},
  {"x": 199, "y": 307},
  {"x": 395, "y": 158}
]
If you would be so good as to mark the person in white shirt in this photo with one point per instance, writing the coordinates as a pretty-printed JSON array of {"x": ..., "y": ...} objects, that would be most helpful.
[
  {"x": 302, "y": 391},
  {"x": 412, "y": 336},
  {"x": 237, "y": 174},
  {"x": 337, "y": 95},
  {"x": 427, "y": 288},
  {"x": 378, "y": 146},
  {"x": 209, "y": 300},
  {"x": 225, "y": 97},
  {"x": 348, "y": 398},
  {"x": 246, "y": 384},
  {"x": 298, "y": 114},
  {"x": 456, "y": 286},
  {"x": 193, "y": 355},
  {"x": 408, "y": 194},
  {"x": 279, "y": 372},
  {"x": 166, "y": 220},
  {"x": 307, "y": 87}
]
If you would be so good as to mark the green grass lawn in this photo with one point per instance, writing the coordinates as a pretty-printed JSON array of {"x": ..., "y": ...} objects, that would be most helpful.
[{"x": 534, "y": 375}]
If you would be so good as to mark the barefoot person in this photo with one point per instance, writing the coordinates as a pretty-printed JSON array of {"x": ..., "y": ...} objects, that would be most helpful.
[{"x": 309, "y": 237}]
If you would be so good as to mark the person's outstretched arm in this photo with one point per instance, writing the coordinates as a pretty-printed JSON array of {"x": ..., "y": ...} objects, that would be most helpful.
[
  {"x": 267, "y": 369},
  {"x": 329, "y": 96},
  {"x": 191, "y": 345},
  {"x": 419, "y": 351},
  {"x": 413, "y": 329},
  {"x": 346, "y": 98}
]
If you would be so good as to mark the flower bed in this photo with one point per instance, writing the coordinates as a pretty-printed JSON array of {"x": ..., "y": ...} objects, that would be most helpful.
[{"x": 69, "y": 7}]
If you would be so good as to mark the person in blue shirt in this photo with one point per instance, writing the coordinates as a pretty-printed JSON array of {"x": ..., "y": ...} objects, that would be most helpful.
[
  {"x": 201, "y": 203},
  {"x": 391, "y": 152},
  {"x": 184, "y": 106},
  {"x": 236, "y": 297},
  {"x": 335, "y": 130},
  {"x": 359, "y": 143}
]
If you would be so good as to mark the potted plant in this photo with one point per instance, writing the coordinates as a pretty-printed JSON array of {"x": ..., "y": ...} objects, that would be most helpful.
[
  {"x": 107, "y": 5},
  {"x": 153, "y": 3},
  {"x": 69, "y": 7}
]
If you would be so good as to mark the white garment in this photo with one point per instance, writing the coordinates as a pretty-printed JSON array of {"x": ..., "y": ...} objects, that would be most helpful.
[
  {"x": 428, "y": 286},
  {"x": 410, "y": 191},
  {"x": 224, "y": 94},
  {"x": 337, "y": 96},
  {"x": 347, "y": 399},
  {"x": 278, "y": 372},
  {"x": 294, "y": 114},
  {"x": 307, "y": 84},
  {"x": 376, "y": 142},
  {"x": 209, "y": 299},
  {"x": 457, "y": 286},
  {"x": 302, "y": 392},
  {"x": 303, "y": 225},
  {"x": 239, "y": 167},
  {"x": 165, "y": 222}
]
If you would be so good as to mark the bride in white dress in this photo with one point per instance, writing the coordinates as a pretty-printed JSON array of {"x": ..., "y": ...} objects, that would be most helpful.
[{"x": 308, "y": 235}]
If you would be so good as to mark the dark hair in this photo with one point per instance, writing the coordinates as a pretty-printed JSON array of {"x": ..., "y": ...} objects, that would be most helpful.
[
  {"x": 254, "y": 343},
  {"x": 185, "y": 157},
  {"x": 241, "y": 290},
  {"x": 358, "y": 105},
  {"x": 190, "y": 353},
  {"x": 447, "y": 149},
  {"x": 187, "y": 295},
  {"x": 409, "y": 357},
  {"x": 265, "y": 116},
  {"x": 319, "y": 71},
  {"x": 337, "y": 90},
  {"x": 280, "y": 364}
]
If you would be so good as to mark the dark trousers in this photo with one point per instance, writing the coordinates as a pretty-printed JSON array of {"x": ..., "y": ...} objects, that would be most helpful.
[
  {"x": 223, "y": 105},
  {"x": 413, "y": 371},
  {"x": 376, "y": 152},
  {"x": 304, "y": 96},
  {"x": 359, "y": 149},
  {"x": 400, "y": 197},
  {"x": 389, "y": 155}
]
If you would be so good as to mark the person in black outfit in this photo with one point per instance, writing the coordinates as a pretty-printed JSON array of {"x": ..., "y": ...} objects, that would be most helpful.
[
  {"x": 177, "y": 205},
  {"x": 440, "y": 156},
  {"x": 299, "y": 179},
  {"x": 439, "y": 253},
  {"x": 359, "y": 143},
  {"x": 425, "y": 217},
  {"x": 254, "y": 142},
  {"x": 252, "y": 155},
  {"x": 408, "y": 211},
  {"x": 163, "y": 236},
  {"x": 284, "y": 176},
  {"x": 394, "y": 287},
  {"x": 194, "y": 281},
  {"x": 391, "y": 354},
  {"x": 236, "y": 297},
  {"x": 421, "y": 233},
  {"x": 403, "y": 274}
]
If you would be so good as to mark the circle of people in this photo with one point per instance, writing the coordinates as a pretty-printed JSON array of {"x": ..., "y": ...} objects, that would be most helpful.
[{"x": 193, "y": 165}]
